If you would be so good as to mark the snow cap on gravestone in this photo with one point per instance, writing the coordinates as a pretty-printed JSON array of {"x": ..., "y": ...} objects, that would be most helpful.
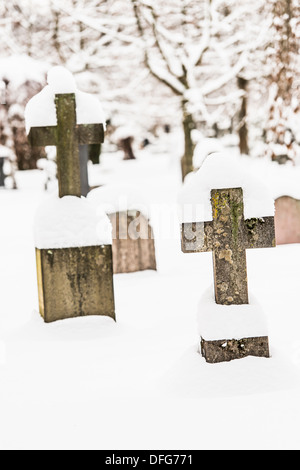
[
  {"x": 41, "y": 112},
  {"x": 61, "y": 80},
  {"x": 223, "y": 171}
]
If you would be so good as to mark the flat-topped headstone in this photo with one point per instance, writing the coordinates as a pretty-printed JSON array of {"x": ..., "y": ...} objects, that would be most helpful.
[
  {"x": 235, "y": 214},
  {"x": 287, "y": 220},
  {"x": 64, "y": 117},
  {"x": 133, "y": 237},
  {"x": 74, "y": 260}
]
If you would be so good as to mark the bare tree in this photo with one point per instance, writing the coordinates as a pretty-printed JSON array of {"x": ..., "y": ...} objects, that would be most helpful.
[
  {"x": 283, "y": 57},
  {"x": 196, "y": 49}
]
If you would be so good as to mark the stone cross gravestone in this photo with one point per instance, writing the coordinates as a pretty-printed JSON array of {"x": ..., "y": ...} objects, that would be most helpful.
[
  {"x": 228, "y": 236},
  {"x": 69, "y": 136},
  {"x": 75, "y": 275}
]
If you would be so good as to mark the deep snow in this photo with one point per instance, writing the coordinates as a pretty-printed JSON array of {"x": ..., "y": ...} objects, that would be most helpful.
[
  {"x": 71, "y": 222},
  {"x": 141, "y": 384}
]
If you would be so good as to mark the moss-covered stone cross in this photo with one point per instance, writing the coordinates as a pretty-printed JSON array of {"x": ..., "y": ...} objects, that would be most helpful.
[
  {"x": 228, "y": 236},
  {"x": 67, "y": 136}
]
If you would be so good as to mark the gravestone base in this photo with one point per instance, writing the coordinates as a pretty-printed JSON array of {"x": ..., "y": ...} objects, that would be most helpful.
[
  {"x": 229, "y": 350},
  {"x": 75, "y": 282},
  {"x": 131, "y": 254}
]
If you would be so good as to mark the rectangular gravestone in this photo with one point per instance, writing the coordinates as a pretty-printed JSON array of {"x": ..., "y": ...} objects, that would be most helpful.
[
  {"x": 133, "y": 243},
  {"x": 75, "y": 282}
]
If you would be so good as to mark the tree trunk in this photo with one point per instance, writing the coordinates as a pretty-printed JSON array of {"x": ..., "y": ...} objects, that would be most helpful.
[
  {"x": 126, "y": 145},
  {"x": 243, "y": 129},
  {"x": 188, "y": 123}
]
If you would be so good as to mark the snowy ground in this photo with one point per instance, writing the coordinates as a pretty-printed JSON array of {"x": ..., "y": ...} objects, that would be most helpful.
[{"x": 140, "y": 383}]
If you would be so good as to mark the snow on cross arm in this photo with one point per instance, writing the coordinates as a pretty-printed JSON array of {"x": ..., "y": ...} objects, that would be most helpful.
[
  {"x": 41, "y": 112},
  {"x": 223, "y": 171}
]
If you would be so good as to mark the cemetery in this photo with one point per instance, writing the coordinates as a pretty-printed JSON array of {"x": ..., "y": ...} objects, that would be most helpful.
[{"x": 150, "y": 226}]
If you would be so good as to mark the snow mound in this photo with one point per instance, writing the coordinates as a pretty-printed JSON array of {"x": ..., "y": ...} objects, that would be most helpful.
[
  {"x": 222, "y": 171},
  {"x": 41, "y": 111},
  {"x": 6, "y": 152},
  {"x": 119, "y": 198},
  {"x": 221, "y": 322},
  {"x": 71, "y": 222},
  {"x": 18, "y": 69},
  {"x": 61, "y": 80},
  {"x": 205, "y": 148},
  {"x": 124, "y": 132}
]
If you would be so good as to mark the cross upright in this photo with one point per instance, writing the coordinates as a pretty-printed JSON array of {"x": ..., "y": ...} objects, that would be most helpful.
[
  {"x": 67, "y": 136},
  {"x": 228, "y": 236}
]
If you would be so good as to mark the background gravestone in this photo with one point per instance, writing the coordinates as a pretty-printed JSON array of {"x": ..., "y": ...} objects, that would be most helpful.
[
  {"x": 287, "y": 220},
  {"x": 131, "y": 252},
  {"x": 133, "y": 237}
]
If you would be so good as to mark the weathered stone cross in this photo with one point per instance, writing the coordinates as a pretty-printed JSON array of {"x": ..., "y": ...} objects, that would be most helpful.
[
  {"x": 228, "y": 237},
  {"x": 67, "y": 136}
]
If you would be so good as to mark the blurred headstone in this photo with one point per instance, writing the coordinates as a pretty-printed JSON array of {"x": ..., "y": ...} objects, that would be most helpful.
[
  {"x": 287, "y": 220},
  {"x": 133, "y": 243}
]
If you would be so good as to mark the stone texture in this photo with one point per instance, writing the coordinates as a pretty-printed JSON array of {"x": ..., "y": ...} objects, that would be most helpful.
[
  {"x": 132, "y": 253},
  {"x": 68, "y": 166},
  {"x": 228, "y": 350},
  {"x": 84, "y": 177},
  {"x": 287, "y": 220},
  {"x": 75, "y": 282},
  {"x": 228, "y": 236}
]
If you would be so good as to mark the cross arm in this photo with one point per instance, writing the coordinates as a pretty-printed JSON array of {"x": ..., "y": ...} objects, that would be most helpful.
[
  {"x": 42, "y": 136},
  {"x": 260, "y": 233},
  {"x": 197, "y": 237},
  {"x": 90, "y": 134}
]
